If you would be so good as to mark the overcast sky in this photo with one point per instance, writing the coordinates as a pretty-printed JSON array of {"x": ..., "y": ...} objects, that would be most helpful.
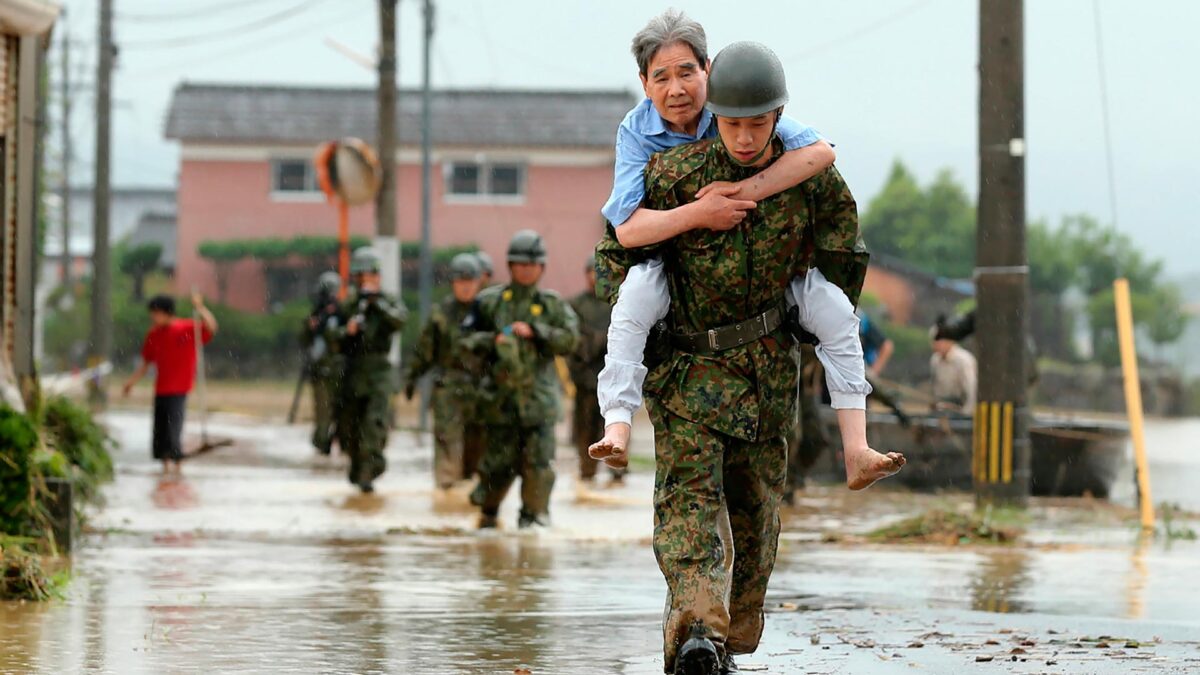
[{"x": 884, "y": 79}]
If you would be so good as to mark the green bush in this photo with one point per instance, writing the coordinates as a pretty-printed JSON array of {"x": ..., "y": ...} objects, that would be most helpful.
[
  {"x": 22, "y": 576},
  {"x": 18, "y": 446},
  {"x": 71, "y": 431}
]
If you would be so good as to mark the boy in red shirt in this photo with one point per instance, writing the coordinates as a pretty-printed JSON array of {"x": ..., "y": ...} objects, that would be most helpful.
[{"x": 170, "y": 346}]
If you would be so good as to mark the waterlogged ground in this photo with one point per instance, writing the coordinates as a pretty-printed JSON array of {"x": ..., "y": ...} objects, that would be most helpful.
[{"x": 261, "y": 560}]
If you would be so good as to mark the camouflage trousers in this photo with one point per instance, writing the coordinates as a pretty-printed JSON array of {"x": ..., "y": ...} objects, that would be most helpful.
[
  {"x": 456, "y": 437},
  {"x": 698, "y": 473},
  {"x": 325, "y": 412},
  {"x": 362, "y": 430},
  {"x": 527, "y": 452}
]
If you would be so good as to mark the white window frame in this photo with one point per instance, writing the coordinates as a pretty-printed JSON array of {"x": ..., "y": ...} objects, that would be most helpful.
[
  {"x": 311, "y": 193},
  {"x": 484, "y": 196}
]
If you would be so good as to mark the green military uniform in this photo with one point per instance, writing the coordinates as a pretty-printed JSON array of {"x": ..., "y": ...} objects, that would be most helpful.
[
  {"x": 721, "y": 420},
  {"x": 326, "y": 366},
  {"x": 587, "y": 424},
  {"x": 366, "y": 391},
  {"x": 521, "y": 391},
  {"x": 457, "y": 431}
]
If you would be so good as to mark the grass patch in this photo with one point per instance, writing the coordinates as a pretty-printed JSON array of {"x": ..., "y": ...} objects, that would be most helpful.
[
  {"x": 1170, "y": 528},
  {"x": 22, "y": 573},
  {"x": 954, "y": 528}
]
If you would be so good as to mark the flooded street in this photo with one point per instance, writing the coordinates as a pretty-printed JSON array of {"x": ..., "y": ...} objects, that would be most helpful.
[{"x": 261, "y": 560}]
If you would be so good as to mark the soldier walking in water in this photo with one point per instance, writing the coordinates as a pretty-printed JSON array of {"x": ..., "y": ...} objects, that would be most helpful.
[
  {"x": 372, "y": 319},
  {"x": 518, "y": 329},
  {"x": 456, "y": 429}
]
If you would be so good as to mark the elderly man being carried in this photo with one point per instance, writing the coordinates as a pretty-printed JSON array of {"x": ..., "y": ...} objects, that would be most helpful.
[{"x": 672, "y": 56}]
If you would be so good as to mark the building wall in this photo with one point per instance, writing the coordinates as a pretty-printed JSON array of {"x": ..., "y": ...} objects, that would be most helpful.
[
  {"x": 224, "y": 199},
  {"x": 894, "y": 292}
]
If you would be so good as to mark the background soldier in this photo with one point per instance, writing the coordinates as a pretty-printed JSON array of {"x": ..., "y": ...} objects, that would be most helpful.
[
  {"x": 519, "y": 329},
  {"x": 486, "y": 269},
  {"x": 372, "y": 319},
  {"x": 587, "y": 424},
  {"x": 325, "y": 366},
  {"x": 457, "y": 433}
]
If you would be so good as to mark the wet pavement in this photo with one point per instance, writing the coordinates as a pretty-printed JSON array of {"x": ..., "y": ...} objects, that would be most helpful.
[{"x": 263, "y": 560}]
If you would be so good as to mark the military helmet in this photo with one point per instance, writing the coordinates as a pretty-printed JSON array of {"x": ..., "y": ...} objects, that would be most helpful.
[
  {"x": 485, "y": 262},
  {"x": 464, "y": 266},
  {"x": 746, "y": 80},
  {"x": 329, "y": 283},
  {"x": 365, "y": 259},
  {"x": 527, "y": 246}
]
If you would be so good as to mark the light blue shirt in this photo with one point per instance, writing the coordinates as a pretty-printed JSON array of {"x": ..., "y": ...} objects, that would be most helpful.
[{"x": 643, "y": 133}]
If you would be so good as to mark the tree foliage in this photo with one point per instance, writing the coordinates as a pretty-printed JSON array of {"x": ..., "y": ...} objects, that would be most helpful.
[
  {"x": 931, "y": 228},
  {"x": 137, "y": 262}
]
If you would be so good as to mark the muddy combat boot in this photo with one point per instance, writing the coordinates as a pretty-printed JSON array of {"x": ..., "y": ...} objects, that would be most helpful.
[
  {"x": 698, "y": 656},
  {"x": 366, "y": 487},
  {"x": 728, "y": 667},
  {"x": 488, "y": 521},
  {"x": 532, "y": 521}
]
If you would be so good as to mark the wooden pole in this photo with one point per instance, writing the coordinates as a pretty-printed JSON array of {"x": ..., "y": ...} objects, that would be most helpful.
[
  {"x": 1133, "y": 399},
  {"x": 1002, "y": 451}
]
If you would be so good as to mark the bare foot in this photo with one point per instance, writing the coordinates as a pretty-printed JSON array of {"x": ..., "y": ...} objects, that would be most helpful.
[
  {"x": 865, "y": 467},
  {"x": 614, "y": 447}
]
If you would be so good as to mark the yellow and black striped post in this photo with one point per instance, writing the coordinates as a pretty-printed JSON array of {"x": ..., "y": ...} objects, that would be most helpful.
[{"x": 1000, "y": 457}]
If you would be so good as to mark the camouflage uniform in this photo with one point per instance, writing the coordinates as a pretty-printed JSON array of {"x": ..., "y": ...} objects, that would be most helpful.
[
  {"x": 326, "y": 369},
  {"x": 587, "y": 424},
  {"x": 366, "y": 391},
  {"x": 520, "y": 394},
  {"x": 457, "y": 433},
  {"x": 721, "y": 420}
]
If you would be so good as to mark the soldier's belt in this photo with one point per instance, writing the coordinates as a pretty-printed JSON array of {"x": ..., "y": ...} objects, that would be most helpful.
[{"x": 717, "y": 340}]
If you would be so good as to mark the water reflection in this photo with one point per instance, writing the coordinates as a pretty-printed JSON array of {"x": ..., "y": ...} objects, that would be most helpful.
[
  {"x": 1000, "y": 581},
  {"x": 514, "y": 629},
  {"x": 1139, "y": 575},
  {"x": 174, "y": 494}
]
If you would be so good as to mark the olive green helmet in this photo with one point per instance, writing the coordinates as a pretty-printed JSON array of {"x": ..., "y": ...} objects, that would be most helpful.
[
  {"x": 746, "y": 80},
  {"x": 464, "y": 266},
  {"x": 328, "y": 284},
  {"x": 527, "y": 246},
  {"x": 364, "y": 260},
  {"x": 485, "y": 262}
]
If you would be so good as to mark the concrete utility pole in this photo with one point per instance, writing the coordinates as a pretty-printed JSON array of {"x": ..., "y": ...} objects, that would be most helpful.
[
  {"x": 426, "y": 285},
  {"x": 101, "y": 276},
  {"x": 385, "y": 205},
  {"x": 65, "y": 87},
  {"x": 1001, "y": 457}
]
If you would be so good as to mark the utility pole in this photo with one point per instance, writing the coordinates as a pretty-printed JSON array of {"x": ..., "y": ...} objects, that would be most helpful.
[
  {"x": 65, "y": 86},
  {"x": 385, "y": 206},
  {"x": 426, "y": 281},
  {"x": 1001, "y": 448},
  {"x": 101, "y": 276}
]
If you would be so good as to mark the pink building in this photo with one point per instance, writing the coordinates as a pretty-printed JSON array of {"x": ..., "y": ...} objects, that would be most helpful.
[{"x": 502, "y": 161}]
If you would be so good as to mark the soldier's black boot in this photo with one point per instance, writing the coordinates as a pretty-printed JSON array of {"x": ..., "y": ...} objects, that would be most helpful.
[
  {"x": 366, "y": 487},
  {"x": 698, "y": 656},
  {"x": 728, "y": 667},
  {"x": 488, "y": 520},
  {"x": 528, "y": 520}
]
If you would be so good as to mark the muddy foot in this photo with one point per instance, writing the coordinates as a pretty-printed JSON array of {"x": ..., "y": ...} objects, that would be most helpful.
[
  {"x": 866, "y": 468},
  {"x": 613, "y": 448}
]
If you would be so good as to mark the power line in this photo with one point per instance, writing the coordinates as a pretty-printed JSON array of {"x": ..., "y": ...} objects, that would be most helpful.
[
  {"x": 1108, "y": 157},
  {"x": 199, "y": 12},
  {"x": 224, "y": 33},
  {"x": 862, "y": 31},
  {"x": 258, "y": 47}
]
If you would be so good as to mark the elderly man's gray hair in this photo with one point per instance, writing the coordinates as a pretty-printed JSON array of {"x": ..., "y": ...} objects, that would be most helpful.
[{"x": 668, "y": 28}]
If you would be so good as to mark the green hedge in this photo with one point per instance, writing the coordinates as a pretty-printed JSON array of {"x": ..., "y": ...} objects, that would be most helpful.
[
  {"x": 71, "y": 431},
  {"x": 18, "y": 446}
]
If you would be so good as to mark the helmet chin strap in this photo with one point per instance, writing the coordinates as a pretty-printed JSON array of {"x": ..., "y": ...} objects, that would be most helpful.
[{"x": 767, "y": 146}]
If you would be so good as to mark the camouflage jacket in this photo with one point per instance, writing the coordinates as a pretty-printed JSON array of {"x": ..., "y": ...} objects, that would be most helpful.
[
  {"x": 323, "y": 360},
  {"x": 521, "y": 386},
  {"x": 720, "y": 278},
  {"x": 438, "y": 349},
  {"x": 366, "y": 352},
  {"x": 588, "y": 358}
]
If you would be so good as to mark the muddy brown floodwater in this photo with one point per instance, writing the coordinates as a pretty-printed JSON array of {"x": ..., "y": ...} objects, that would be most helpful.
[{"x": 261, "y": 560}]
